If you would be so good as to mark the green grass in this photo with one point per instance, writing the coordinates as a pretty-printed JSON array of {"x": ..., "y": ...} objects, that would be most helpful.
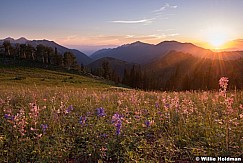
[
  {"x": 36, "y": 76},
  {"x": 156, "y": 126}
]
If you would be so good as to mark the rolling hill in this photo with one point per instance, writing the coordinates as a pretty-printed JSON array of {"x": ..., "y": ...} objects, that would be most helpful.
[{"x": 21, "y": 73}]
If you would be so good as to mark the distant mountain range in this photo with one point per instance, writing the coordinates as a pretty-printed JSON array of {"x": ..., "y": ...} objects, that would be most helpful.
[
  {"x": 81, "y": 57},
  {"x": 137, "y": 52},
  {"x": 143, "y": 53}
]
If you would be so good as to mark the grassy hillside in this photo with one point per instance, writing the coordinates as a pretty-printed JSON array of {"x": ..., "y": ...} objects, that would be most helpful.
[{"x": 16, "y": 75}]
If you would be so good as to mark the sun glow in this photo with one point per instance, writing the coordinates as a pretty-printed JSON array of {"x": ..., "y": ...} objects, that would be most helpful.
[
  {"x": 217, "y": 37},
  {"x": 217, "y": 40}
]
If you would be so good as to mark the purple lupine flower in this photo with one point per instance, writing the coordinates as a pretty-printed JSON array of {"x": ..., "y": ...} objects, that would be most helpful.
[
  {"x": 147, "y": 123},
  {"x": 118, "y": 127},
  {"x": 137, "y": 116},
  {"x": 104, "y": 135},
  {"x": 44, "y": 127},
  {"x": 8, "y": 117},
  {"x": 100, "y": 112},
  {"x": 116, "y": 120},
  {"x": 167, "y": 105},
  {"x": 69, "y": 109},
  {"x": 82, "y": 120}
]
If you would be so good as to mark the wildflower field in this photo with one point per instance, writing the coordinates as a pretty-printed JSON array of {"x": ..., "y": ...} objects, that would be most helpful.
[{"x": 82, "y": 122}]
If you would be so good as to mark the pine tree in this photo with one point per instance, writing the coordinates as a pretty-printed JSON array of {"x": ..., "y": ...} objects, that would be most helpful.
[
  {"x": 7, "y": 46},
  {"x": 40, "y": 50},
  {"x": 126, "y": 77},
  {"x": 69, "y": 60},
  {"x": 106, "y": 70}
]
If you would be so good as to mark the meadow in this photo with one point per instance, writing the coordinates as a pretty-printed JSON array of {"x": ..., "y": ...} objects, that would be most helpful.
[{"x": 48, "y": 116}]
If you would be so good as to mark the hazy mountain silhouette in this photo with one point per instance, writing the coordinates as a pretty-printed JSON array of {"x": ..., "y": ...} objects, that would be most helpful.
[
  {"x": 136, "y": 52},
  {"x": 142, "y": 53},
  {"x": 81, "y": 57},
  {"x": 167, "y": 46},
  {"x": 21, "y": 40}
]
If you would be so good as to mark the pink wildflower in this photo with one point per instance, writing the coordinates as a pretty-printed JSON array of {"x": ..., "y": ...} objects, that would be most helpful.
[
  {"x": 241, "y": 107},
  {"x": 223, "y": 83}
]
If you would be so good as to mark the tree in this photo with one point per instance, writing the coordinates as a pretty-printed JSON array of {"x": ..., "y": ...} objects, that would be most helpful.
[
  {"x": 30, "y": 52},
  {"x": 132, "y": 80},
  {"x": 138, "y": 78},
  {"x": 186, "y": 83},
  {"x": 82, "y": 68},
  {"x": 69, "y": 60},
  {"x": 49, "y": 54},
  {"x": 106, "y": 70},
  {"x": 58, "y": 60},
  {"x": 115, "y": 77},
  {"x": 17, "y": 51},
  {"x": 55, "y": 51},
  {"x": 23, "y": 51},
  {"x": 40, "y": 50},
  {"x": 126, "y": 77},
  {"x": 7, "y": 47}
]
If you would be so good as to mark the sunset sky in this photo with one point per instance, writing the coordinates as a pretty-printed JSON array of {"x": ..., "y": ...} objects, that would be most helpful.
[{"x": 102, "y": 23}]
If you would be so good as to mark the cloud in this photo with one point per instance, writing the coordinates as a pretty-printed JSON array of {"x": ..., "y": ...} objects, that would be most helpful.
[
  {"x": 166, "y": 6},
  {"x": 68, "y": 39},
  {"x": 165, "y": 30},
  {"x": 173, "y": 34},
  {"x": 113, "y": 40},
  {"x": 121, "y": 39},
  {"x": 145, "y": 37},
  {"x": 129, "y": 36},
  {"x": 132, "y": 21}
]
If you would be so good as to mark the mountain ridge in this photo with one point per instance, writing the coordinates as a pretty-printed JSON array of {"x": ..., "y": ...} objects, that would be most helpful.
[
  {"x": 80, "y": 56},
  {"x": 136, "y": 52},
  {"x": 143, "y": 53}
]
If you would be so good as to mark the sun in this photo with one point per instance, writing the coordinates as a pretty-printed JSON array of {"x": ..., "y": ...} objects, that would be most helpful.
[
  {"x": 217, "y": 40},
  {"x": 216, "y": 37}
]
